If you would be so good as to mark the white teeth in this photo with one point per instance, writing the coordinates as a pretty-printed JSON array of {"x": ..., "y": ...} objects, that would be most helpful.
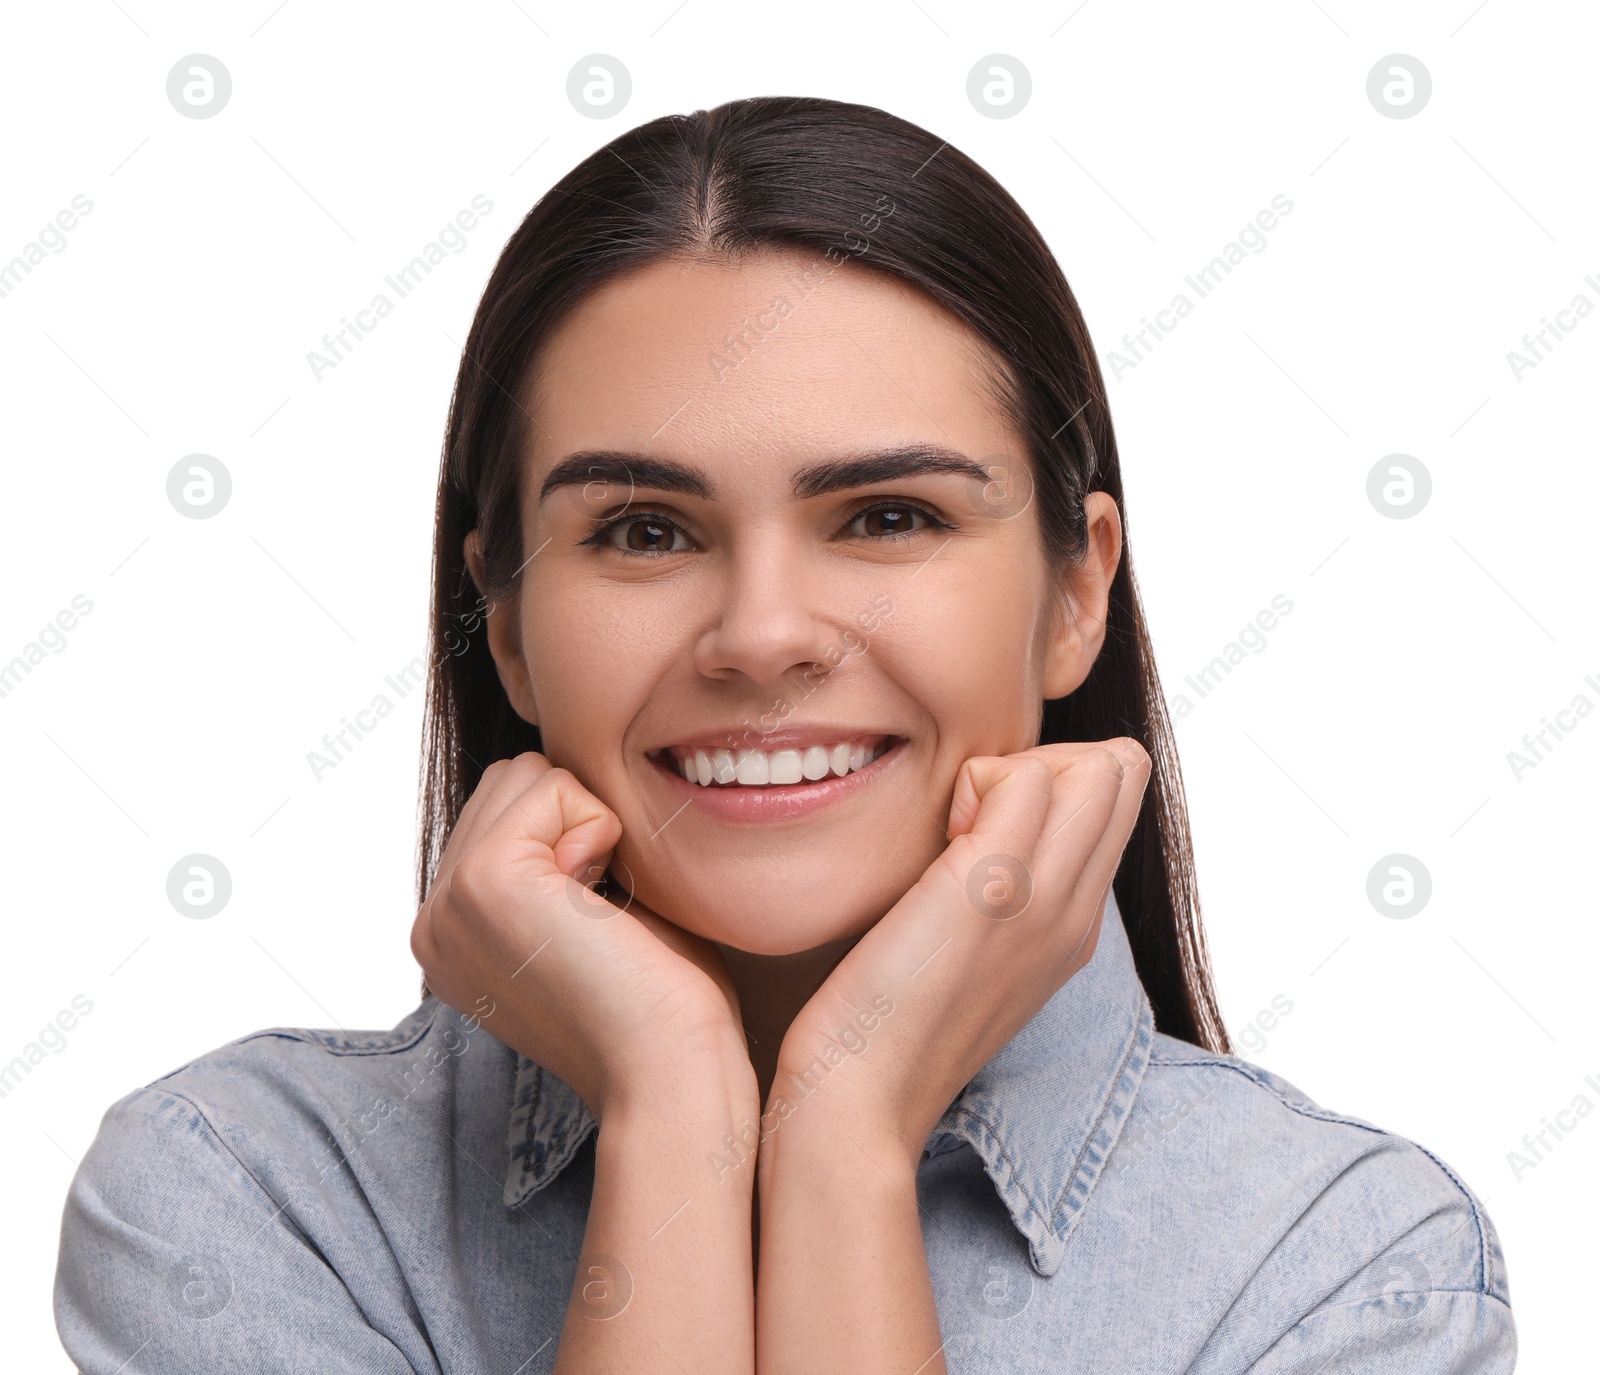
[
  {"x": 754, "y": 768},
  {"x": 784, "y": 767}
]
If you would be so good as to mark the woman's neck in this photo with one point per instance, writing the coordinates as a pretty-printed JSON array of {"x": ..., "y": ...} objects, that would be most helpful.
[{"x": 772, "y": 989}]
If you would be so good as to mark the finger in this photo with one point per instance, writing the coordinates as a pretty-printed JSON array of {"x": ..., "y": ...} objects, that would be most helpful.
[
  {"x": 1000, "y": 802},
  {"x": 1102, "y": 864},
  {"x": 1087, "y": 779},
  {"x": 554, "y": 823},
  {"x": 1107, "y": 857},
  {"x": 502, "y": 783},
  {"x": 498, "y": 790},
  {"x": 554, "y": 826},
  {"x": 1095, "y": 872}
]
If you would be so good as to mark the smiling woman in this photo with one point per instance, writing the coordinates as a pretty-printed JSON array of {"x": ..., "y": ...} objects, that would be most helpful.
[{"x": 799, "y": 797}]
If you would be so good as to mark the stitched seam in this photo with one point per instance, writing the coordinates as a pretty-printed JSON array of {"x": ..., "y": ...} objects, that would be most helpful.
[
  {"x": 533, "y": 1117},
  {"x": 280, "y": 1211},
  {"x": 216, "y": 1136},
  {"x": 1116, "y": 1085},
  {"x": 1373, "y": 1298},
  {"x": 1316, "y": 1114},
  {"x": 525, "y": 1170},
  {"x": 1477, "y": 1220},
  {"x": 1322, "y": 1115},
  {"x": 386, "y": 1048},
  {"x": 581, "y": 1123},
  {"x": 1010, "y": 1164},
  {"x": 288, "y": 1034}
]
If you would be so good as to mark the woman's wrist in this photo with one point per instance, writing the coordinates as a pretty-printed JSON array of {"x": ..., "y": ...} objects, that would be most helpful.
[
  {"x": 822, "y": 1136},
  {"x": 829, "y": 1196},
  {"x": 666, "y": 1249},
  {"x": 697, "y": 1100}
]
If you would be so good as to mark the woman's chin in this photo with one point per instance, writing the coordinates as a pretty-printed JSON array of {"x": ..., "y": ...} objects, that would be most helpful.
[
  {"x": 772, "y": 935},
  {"x": 768, "y": 929}
]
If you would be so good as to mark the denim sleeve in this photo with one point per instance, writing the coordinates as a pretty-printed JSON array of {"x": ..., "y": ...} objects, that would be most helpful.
[
  {"x": 1434, "y": 1332},
  {"x": 175, "y": 1258},
  {"x": 1433, "y": 1300}
]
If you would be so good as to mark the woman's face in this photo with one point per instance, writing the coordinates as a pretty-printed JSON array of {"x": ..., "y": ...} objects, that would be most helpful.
[{"x": 766, "y": 590}]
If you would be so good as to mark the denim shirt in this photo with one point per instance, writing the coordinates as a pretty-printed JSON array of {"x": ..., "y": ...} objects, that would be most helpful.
[{"x": 1099, "y": 1197}]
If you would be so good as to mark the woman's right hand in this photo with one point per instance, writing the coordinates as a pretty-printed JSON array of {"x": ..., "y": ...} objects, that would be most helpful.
[{"x": 616, "y": 1002}]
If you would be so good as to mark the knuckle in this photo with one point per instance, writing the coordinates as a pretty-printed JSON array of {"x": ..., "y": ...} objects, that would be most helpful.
[
  {"x": 424, "y": 939},
  {"x": 1105, "y": 762},
  {"x": 527, "y": 766},
  {"x": 1035, "y": 764},
  {"x": 470, "y": 883}
]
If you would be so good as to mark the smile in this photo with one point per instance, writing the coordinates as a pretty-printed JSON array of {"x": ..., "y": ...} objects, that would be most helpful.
[
  {"x": 745, "y": 785},
  {"x": 760, "y": 768}
]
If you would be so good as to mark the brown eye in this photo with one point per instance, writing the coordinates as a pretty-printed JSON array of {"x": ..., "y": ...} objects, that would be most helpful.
[
  {"x": 646, "y": 535},
  {"x": 894, "y": 520}
]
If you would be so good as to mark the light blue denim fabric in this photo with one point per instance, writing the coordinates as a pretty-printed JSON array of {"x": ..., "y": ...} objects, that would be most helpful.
[{"x": 1098, "y": 1198}]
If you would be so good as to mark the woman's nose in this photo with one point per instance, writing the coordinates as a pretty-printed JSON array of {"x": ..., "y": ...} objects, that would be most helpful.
[{"x": 770, "y": 612}]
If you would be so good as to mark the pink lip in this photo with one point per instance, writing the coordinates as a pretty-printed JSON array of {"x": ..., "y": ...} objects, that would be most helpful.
[
  {"x": 822, "y": 733},
  {"x": 776, "y": 802}
]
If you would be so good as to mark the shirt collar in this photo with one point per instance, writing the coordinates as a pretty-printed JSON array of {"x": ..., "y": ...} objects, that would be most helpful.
[{"x": 1042, "y": 1115}]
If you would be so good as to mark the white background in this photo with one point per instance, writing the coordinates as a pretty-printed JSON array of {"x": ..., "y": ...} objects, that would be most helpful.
[{"x": 1378, "y": 719}]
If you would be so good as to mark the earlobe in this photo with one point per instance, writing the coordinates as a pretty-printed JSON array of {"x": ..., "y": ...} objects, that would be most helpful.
[
  {"x": 501, "y": 626},
  {"x": 1079, "y": 629},
  {"x": 1069, "y": 656}
]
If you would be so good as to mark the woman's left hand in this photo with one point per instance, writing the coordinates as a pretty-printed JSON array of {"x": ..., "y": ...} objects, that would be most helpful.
[{"x": 997, "y": 924}]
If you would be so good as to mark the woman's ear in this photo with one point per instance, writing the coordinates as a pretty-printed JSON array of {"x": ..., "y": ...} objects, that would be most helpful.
[
  {"x": 1084, "y": 599},
  {"x": 503, "y": 627}
]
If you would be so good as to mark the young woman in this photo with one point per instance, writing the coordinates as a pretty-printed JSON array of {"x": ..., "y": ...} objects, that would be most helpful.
[{"x": 814, "y": 974}]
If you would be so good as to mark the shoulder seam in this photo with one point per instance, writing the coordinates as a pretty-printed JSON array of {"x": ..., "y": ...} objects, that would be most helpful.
[
  {"x": 1372, "y": 1298},
  {"x": 302, "y": 1036},
  {"x": 1305, "y": 1108},
  {"x": 1320, "y": 1114},
  {"x": 216, "y": 1136}
]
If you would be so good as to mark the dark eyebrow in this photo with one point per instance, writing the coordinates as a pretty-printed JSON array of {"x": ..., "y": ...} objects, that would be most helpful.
[{"x": 666, "y": 475}]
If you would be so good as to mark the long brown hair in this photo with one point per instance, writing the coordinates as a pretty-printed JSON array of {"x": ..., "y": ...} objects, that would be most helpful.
[{"x": 811, "y": 174}]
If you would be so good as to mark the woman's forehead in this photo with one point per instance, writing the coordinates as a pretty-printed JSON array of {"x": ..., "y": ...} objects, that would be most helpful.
[{"x": 738, "y": 362}]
